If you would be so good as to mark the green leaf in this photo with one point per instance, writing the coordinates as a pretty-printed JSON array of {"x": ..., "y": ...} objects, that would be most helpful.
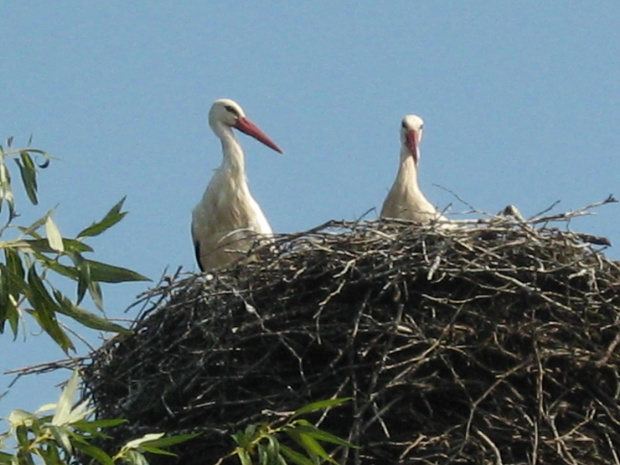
[
  {"x": 83, "y": 272},
  {"x": 44, "y": 311},
  {"x": 46, "y": 408},
  {"x": 94, "y": 427},
  {"x": 19, "y": 417},
  {"x": 109, "y": 220},
  {"x": 295, "y": 456},
  {"x": 94, "y": 290},
  {"x": 67, "y": 271},
  {"x": 273, "y": 448},
  {"x": 6, "y": 193},
  {"x": 314, "y": 447},
  {"x": 94, "y": 452},
  {"x": 80, "y": 412},
  {"x": 135, "y": 443},
  {"x": 13, "y": 318},
  {"x": 310, "y": 444},
  {"x": 21, "y": 434},
  {"x": 12, "y": 286},
  {"x": 14, "y": 266},
  {"x": 5, "y": 298},
  {"x": 65, "y": 402},
  {"x": 244, "y": 457},
  {"x": 156, "y": 450},
  {"x": 135, "y": 458},
  {"x": 263, "y": 456},
  {"x": 54, "y": 238},
  {"x": 62, "y": 437},
  {"x": 5, "y": 458},
  {"x": 43, "y": 246},
  {"x": 32, "y": 229},
  {"x": 105, "y": 273},
  {"x": 40, "y": 152},
  {"x": 242, "y": 440},
  {"x": 319, "y": 434},
  {"x": 86, "y": 282},
  {"x": 28, "y": 172},
  {"x": 171, "y": 440},
  {"x": 320, "y": 405},
  {"x": 66, "y": 307},
  {"x": 49, "y": 454},
  {"x": 250, "y": 430},
  {"x": 73, "y": 245}
]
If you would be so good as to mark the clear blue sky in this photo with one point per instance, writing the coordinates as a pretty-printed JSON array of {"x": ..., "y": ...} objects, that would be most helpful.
[{"x": 521, "y": 102}]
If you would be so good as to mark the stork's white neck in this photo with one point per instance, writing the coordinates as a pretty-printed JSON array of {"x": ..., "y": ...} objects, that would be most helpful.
[
  {"x": 408, "y": 171},
  {"x": 233, "y": 161}
]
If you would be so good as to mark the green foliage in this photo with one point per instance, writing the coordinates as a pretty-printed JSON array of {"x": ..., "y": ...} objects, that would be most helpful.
[
  {"x": 154, "y": 443},
  {"x": 56, "y": 438},
  {"x": 35, "y": 254},
  {"x": 260, "y": 444},
  {"x": 39, "y": 252}
]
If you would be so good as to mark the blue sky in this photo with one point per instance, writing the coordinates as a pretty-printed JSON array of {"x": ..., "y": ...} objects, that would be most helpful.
[{"x": 521, "y": 102}]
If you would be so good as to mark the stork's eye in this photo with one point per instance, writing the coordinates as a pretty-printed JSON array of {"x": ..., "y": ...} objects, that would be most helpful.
[
  {"x": 232, "y": 110},
  {"x": 404, "y": 125}
]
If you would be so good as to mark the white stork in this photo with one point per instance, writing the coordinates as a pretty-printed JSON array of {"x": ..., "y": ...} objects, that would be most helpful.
[
  {"x": 227, "y": 220},
  {"x": 405, "y": 199}
]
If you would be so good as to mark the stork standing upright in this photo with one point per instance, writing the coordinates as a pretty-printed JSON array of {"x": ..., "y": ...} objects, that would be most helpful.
[
  {"x": 227, "y": 220},
  {"x": 405, "y": 199}
]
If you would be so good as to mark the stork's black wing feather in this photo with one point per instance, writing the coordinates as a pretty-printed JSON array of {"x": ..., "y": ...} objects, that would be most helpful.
[{"x": 197, "y": 251}]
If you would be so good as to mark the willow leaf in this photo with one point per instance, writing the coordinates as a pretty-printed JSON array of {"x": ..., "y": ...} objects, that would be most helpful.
[
  {"x": 102, "y": 272},
  {"x": 68, "y": 308},
  {"x": 54, "y": 238},
  {"x": 110, "y": 219}
]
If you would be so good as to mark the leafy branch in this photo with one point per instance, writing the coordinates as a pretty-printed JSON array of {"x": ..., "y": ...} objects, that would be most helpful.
[
  {"x": 59, "y": 437},
  {"x": 39, "y": 251},
  {"x": 262, "y": 444},
  {"x": 29, "y": 262}
]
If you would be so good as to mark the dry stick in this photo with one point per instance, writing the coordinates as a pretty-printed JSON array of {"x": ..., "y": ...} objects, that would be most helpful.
[
  {"x": 414, "y": 361},
  {"x": 610, "y": 349},
  {"x": 612, "y": 448},
  {"x": 480, "y": 399},
  {"x": 569, "y": 215},
  {"x": 537, "y": 292},
  {"x": 378, "y": 413},
  {"x": 463, "y": 201},
  {"x": 40, "y": 368},
  {"x": 498, "y": 455},
  {"x": 561, "y": 448},
  {"x": 540, "y": 378},
  {"x": 375, "y": 375},
  {"x": 548, "y": 209}
]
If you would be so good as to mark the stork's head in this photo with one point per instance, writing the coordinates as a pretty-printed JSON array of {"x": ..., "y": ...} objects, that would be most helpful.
[
  {"x": 229, "y": 113},
  {"x": 411, "y": 135}
]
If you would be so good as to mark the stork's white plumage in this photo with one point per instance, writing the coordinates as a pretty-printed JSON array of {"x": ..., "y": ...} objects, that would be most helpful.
[
  {"x": 228, "y": 220},
  {"x": 405, "y": 199}
]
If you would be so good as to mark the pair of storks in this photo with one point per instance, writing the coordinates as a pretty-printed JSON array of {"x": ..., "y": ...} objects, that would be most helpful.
[{"x": 228, "y": 220}]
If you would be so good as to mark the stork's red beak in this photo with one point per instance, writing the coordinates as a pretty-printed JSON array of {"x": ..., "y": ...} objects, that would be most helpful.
[
  {"x": 412, "y": 141},
  {"x": 248, "y": 127}
]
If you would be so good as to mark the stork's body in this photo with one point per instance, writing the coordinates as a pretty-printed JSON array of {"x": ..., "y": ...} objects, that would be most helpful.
[
  {"x": 228, "y": 220},
  {"x": 405, "y": 199}
]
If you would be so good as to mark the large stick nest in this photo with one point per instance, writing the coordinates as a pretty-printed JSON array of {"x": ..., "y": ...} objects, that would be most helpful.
[{"x": 485, "y": 343}]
